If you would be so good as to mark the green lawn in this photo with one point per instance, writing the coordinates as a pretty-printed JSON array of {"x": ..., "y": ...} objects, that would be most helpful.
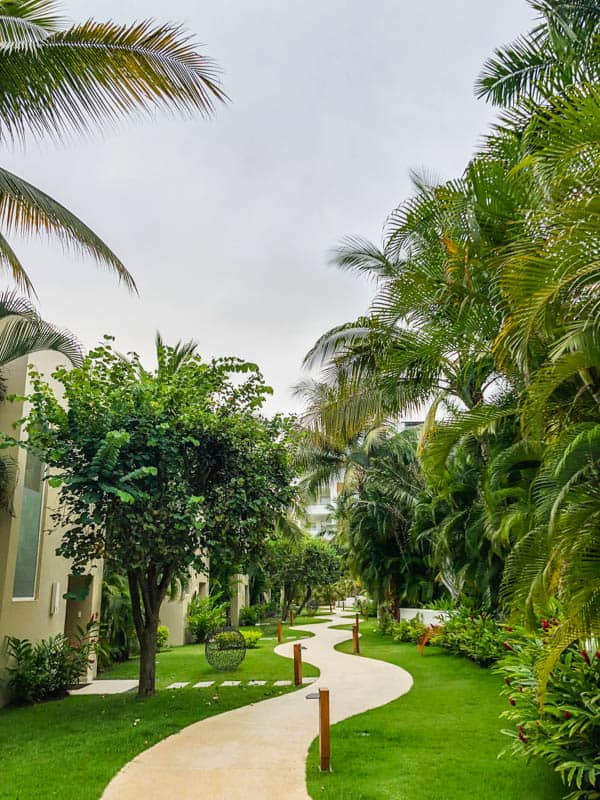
[
  {"x": 189, "y": 664},
  {"x": 440, "y": 741},
  {"x": 70, "y": 749}
]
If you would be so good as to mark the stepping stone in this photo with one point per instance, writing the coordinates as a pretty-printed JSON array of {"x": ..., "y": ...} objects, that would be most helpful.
[
  {"x": 269, "y": 638},
  {"x": 106, "y": 687},
  {"x": 203, "y": 684},
  {"x": 282, "y": 683},
  {"x": 306, "y": 681},
  {"x": 231, "y": 683},
  {"x": 179, "y": 685},
  {"x": 256, "y": 683}
]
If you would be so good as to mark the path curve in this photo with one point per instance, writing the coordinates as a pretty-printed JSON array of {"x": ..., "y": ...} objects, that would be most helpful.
[{"x": 258, "y": 752}]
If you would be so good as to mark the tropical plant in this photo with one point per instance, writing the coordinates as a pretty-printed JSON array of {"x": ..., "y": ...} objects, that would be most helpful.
[
  {"x": 566, "y": 731},
  {"x": 204, "y": 615},
  {"x": 45, "y": 669}
]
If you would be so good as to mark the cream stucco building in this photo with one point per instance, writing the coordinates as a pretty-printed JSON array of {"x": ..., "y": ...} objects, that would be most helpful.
[{"x": 33, "y": 579}]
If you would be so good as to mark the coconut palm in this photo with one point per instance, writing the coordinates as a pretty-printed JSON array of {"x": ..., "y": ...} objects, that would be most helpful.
[{"x": 59, "y": 80}]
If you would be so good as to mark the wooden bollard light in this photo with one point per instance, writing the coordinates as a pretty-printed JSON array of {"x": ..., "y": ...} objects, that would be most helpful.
[
  {"x": 297, "y": 665},
  {"x": 356, "y": 620},
  {"x": 355, "y": 645},
  {"x": 324, "y": 729},
  {"x": 291, "y": 617},
  {"x": 279, "y": 631}
]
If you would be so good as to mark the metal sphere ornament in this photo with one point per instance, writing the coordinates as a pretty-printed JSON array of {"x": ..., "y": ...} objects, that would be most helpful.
[{"x": 225, "y": 649}]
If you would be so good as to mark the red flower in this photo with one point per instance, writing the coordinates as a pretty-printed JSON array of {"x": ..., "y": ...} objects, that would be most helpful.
[
  {"x": 512, "y": 701},
  {"x": 545, "y": 624},
  {"x": 507, "y": 681},
  {"x": 586, "y": 658},
  {"x": 509, "y": 630},
  {"x": 506, "y": 646},
  {"x": 567, "y": 714},
  {"x": 523, "y": 738}
]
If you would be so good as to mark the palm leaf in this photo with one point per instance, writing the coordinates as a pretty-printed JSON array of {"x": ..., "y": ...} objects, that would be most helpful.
[
  {"x": 77, "y": 80},
  {"x": 28, "y": 211},
  {"x": 20, "y": 337}
]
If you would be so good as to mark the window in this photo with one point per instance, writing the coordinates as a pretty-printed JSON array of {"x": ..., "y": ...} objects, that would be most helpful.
[{"x": 29, "y": 530}]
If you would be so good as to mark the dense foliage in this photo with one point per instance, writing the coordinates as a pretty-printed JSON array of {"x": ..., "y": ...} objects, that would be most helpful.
[
  {"x": 485, "y": 326},
  {"x": 44, "y": 670}
]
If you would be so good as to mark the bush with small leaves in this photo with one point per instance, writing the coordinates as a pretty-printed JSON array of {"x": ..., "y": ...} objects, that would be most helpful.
[
  {"x": 162, "y": 637},
  {"x": 251, "y": 637},
  {"x": 249, "y": 615}
]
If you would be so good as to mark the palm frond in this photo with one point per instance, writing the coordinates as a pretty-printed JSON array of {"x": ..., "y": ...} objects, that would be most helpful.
[
  {"x": 27, "y": 211},
  {"x": 79, "y": 79},
  {"x": 20, "y": 337}
]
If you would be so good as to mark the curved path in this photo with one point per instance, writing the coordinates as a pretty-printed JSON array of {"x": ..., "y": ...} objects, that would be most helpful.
[{"x": 258, "y": 752}]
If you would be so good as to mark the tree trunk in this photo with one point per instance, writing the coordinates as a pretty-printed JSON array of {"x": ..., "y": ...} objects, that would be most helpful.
[
  {"x": 307, "y": 597},
  {"x": 146, "y": 599},
  {"x": 147, "y": 687}
]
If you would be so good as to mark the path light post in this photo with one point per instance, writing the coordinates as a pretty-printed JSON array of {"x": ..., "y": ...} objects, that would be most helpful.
[
  {"x": 356, "y": 620},
  {"x": 279, "y": 631},
  {"x": 297, "y": 665},
  {"x": 355, "y": 645},
  {"x": 291, "y": 617},
  {"x": 324, "y": 736},
  {"x": 324, "y": 728}
]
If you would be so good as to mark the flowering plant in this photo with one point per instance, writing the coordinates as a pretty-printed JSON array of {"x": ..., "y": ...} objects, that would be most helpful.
[{"x": 565, "y": 731}]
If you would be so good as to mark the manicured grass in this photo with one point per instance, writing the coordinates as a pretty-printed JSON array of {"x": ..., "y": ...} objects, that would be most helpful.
[
  {"x": 440, "y": 741},
  {"x": 189, "y": 664},
  {"x": 70, "y": 749}
]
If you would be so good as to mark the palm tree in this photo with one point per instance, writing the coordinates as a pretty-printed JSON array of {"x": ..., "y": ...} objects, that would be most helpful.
[
  {"x": 59, "y": 81},
  {"x": 562, "y": 50}
]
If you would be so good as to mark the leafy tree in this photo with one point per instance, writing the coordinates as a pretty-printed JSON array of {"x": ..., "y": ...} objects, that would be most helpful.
[
  {"x": 321, "y": 568},
  {"x": 299, "y": 566},
  {"x": 158, "y": 468}
]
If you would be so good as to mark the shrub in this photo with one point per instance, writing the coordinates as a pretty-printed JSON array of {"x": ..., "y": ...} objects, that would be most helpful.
[
  {"x": 249, "y": 615},
  {"x": 385, "y": 622},
  {"x": 566, "y": 731},
  {"x": 204, "y": 615},
  {"x": 251, "y": 637},
  {"x": 477, "y": 636},
  {"x": 227, "y": 640},
  {"x": 162, "y": 637},
  {"x": 409, "y": 630},
  {"x": 46, "y": 669}
]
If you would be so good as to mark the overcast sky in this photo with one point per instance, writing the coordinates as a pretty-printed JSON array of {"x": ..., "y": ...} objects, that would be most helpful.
[{"x": 226, "y": 224}]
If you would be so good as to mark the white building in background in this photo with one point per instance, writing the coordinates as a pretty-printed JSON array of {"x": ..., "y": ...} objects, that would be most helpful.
[{"x": 321, "y": 512}]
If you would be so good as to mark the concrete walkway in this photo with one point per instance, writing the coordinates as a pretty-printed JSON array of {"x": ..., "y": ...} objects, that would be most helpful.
[{"x": 258, "y": 752}]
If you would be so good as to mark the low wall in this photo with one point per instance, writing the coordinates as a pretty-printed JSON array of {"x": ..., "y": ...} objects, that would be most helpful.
[{"x": 430, "y": 616}]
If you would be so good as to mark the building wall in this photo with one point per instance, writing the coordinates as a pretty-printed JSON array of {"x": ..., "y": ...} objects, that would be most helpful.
[
  {"x": 240, "y": 598},
  {"x": 46, "y": 613},
  {"x": 173, "y": 612}
]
